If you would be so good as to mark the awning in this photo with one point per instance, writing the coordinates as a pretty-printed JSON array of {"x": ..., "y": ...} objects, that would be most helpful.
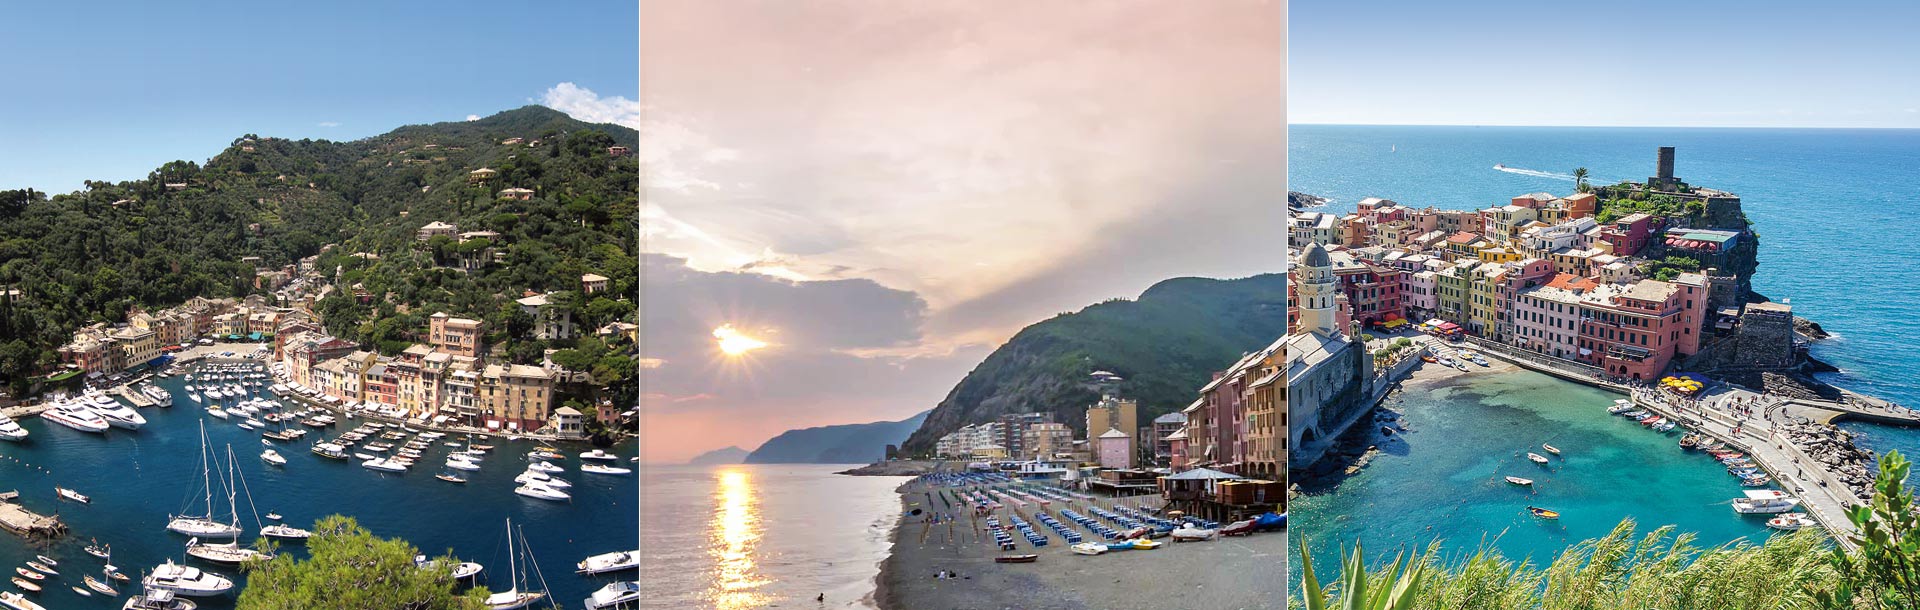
[
  {"x": 493, "y": 425},
  {"x": 1394, "y": 323},
  {"x": 439, "y": 419}
]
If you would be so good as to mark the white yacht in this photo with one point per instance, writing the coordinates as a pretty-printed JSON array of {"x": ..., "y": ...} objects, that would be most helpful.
[
  {"x": 11, "y": 430},
  {"x": 73, "y": 414},
  {"x": 187, "y": 580},
  {"x": 542, "y": 491},
  {"x": 216, "y": 411},
  {"x": 598, "y": 469},
  {"x": 1764, "y": 501},
  {"x": 16, "y": 601},
  {"x": 273, "y": 457},
  {"x": 158, "y": 599},
  {"x": 160, "y": 396},
  {"x": 228, "y": 553},
  {"x": 539, "y": 466},
  {"x": 609, "y": 562},
  {"x": 461, "y": 571},
  {"x": 530, "y": 477},
  {"x": 514, "y": 597},
  {"x": 281, "y": 530},
  {"x": 455, "y": 463},
  {"x": 383, "y": 465},
  {"x": 598, "y": 455},
  {"x": 116, "y": 414},
  {"x": 618, "y": 594},
  {"x": 204, "y": 526}
]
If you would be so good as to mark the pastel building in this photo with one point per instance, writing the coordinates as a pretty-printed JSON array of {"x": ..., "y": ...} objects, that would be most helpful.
[{"x": 457, "y": 336}]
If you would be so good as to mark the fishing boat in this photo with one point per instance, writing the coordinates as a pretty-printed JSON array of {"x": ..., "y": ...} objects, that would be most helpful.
[
  {"x": 1543, "y": 513},
  {"x": 204, "y": 526},
  {"x": 1519, "y": 481},
  {"x": 1016, "y": 559},
  {"x": 599, "y": 469},
  {"x": 450, "y": 478},
  {"x": 1537, "y": 458},
  {"x": 16, "y": 601},
  {"x": 1665, "y": 426},
  {"x": 1757, "y": 480},
  {"x": 103, "y": 588},
  {"x": 609, "y": 562},
  {"x": 1764, "y": 501},
  {"x": 25, "y": 585},
  {"x": 1089, "y": 548},
  {"x": 514, "y": 596},
  {"x": 1792, "y": 522},
  {"x": 187, "y": 580},
  {"x": 1550, "y": 448},
  {"x": 615, "y": 595},
  {"x": 158, "y": 599}
]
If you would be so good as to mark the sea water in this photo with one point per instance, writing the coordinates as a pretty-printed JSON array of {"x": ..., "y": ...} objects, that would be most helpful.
[
  {"x": 136, "y": 479},
  {"x": 752, "y": 536}
]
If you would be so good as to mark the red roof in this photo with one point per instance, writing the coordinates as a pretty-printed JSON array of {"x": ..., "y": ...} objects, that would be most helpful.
[
  {"x": 1568, "y": 281},
  {"x": 1462, "y": 237}
]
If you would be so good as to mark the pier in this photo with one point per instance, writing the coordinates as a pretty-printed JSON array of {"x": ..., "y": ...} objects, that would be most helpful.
[
  {"x": 138, "y": 399},
  {"x": 25, "y": 522}
]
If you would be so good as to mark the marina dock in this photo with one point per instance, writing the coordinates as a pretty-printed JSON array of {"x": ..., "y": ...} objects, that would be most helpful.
[{"x": 25, "y": 522}]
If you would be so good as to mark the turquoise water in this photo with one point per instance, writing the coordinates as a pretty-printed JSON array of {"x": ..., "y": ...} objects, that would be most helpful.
[
  {"x": 1834, "y": 209},
  {"x": 137, "y": 478},
  {"x": 765, "y": 535},
  {"x": 1444, "y": 479}
]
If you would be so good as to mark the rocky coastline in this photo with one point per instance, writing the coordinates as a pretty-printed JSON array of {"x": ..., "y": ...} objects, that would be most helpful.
[
  {"x": 1833, "y": 447},
  {"x": 894, "y": 468}
]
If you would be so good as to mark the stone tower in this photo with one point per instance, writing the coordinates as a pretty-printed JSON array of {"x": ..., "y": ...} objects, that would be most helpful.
[{"x": 1317, "y": 292}]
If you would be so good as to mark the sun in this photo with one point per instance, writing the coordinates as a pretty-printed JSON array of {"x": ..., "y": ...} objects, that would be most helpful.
[{"x": 735, "y": 343}]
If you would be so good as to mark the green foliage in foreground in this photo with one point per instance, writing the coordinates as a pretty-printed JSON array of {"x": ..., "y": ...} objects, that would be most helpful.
[
  {"x": 352, "y": 569},
  {"x": 1659, "y": 570}
]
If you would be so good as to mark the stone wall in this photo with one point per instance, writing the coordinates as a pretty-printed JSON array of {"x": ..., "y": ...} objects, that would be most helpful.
[{"x": 1765, "y": 338}]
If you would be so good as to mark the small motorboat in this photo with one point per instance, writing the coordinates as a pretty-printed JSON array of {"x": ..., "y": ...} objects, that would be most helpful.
[
  {"x": 1147, "y": 544},
  {"x": 1543, "y": 513},
  {"x": 282, "y": 530},
  {"x": 273, "y": 516},
  {"x": 273, "y": 457},
  {"x": 46, "y": 560},
  {"x": 1537, "y": 458},
  {"x": 102, "y": 551},
  {"x": 1519, "y": 481},
  {"x": 1620, "y": 405},
  {"x": 69, "y": 494},
  {"x": 1428, "y": 358},
  {"x": 81, "y": 592},
  {"x": 450, "y": 478},
  {"x": 1550, "y": 448},
  {"x": 1190, "y": 531},
  {"x": 1688, "y": 441},
  {"x": 1756, "y": 480},
  {"x": 599, "y": 469},
  {"x": 1791, "y": 522},
  {"x": 1084, "y": 548},
  {"x": 1016, "y": 558},
  {"x": 1238, "y": 528},
  {"x": 25, "y": 585},
  {"x": 30, "y": 574}
]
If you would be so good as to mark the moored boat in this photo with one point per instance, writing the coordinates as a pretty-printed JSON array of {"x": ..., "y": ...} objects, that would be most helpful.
[
  {"x": 75, "y": 496},
  {"x": 103, "y": 588},
  {"x": 599, "y": 469},
  {"x": 1543, "y": 513},
  {"x": 542, "y": 492},
  {"x": 609, "y": 562},
  {"x": 615, "y": 595},
  {"x": 1029, "y": 558},
  {"x": 26, "y": 585},
  {"x": 187, "y": 580},
  {"x": 1764, "y": 501},
  {"x": 16, "y": 601},
  {"x": 1791, "y": 522},
  {"x": 1537, "y": 458},
  {"x": 1550, "y": 448},
  {"x": 1519, "y": 481},
  {"x": 158, "y": 599}
]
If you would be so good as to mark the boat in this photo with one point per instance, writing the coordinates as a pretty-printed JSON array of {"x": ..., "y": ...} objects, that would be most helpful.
[
  {"x": 1665, "y": 426},
  {"x": 330, "y": 450},
  {"x": 1537, "y": 458},
  {"x": 1238, "y": 528},
  {"x": 1620, "y": 405},
  {"x": 384, "y": 465},
  {"x": 1428, "y": 358},
  {"x": 1519, "y": 481},
  {"x": 75, "y": 496},
  {"x": 282, "y": 530},
  {"x": 218, "y": 412},
  {"x": 46, "y": 560},
  {"x": 358, "y": 455},
  {"x": 599, "y": 469},
  {"x": 273, "y": 516},
  {"x": 116, "y": 414},
  {"x": 546, "y": 454},
  {"x": 615, "y": 595},
  {"x": 1756, "y": 480},
  {"x": 103, "y": 588},
  {"x": 30, "y": 574},
  {"x": 158, "y": 599},
  {"x": 1791, "y": 522},
  {"x": 450, "y": 478},
  {"x": 542, "y": 478},
  {"x": 1550, "y": 448},
  {"x": 273, "y": 457},
  {"x": 514, "y": 596},
  {"x": 609, "y": 562},
  {"x": 1089, "y": 548},
  {"x": 42, "y": 568},
  {"x": 539, "y": 466},
  {"x": 11, "y": 430},
  {"x": 1016, "y": 558},
  {"x": 204, "y": 526},
  {"x": 16, "y": 601},
  {"x": 74, "y": 415},
  {"x": 81, "y": 592},
  {"x": 1147, "y": 544},
  {"x": 1543, "y": 513},
  {"x": 187, "y": 580},
  {"x": 543, "y": 492},
  {"x": 99, "y": 550},
  {"x": 1764, "y": 501},
  {"x": 459, "y": 464},
  {"x": 1189, "y": 531},
  {"x": 228, "y": 553},
  {"x": 598, "y": 455},
  {"x": 25, "y": 585}
]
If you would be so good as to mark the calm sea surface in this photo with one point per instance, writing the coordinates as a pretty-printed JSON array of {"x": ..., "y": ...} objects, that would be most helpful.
[
  {"x": 754, "y": 536},
  {"x": 1834, "y": 210},
  {"x": 136, "y": 479}
]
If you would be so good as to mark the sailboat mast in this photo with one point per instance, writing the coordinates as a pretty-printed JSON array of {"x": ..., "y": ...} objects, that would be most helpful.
[
  {"x": 206, "y": 469},
  {"x": 513, "y": 568}
]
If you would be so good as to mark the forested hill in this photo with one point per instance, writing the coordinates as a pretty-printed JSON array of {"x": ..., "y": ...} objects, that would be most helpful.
[
  {"x": 184, "y": 230},
  {"x": 1166, "y": 344}
]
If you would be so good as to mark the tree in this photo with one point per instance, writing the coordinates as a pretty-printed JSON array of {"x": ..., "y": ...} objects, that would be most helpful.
[
  {"x": 349, "y": 568},
  {"x": 1580, "y": 179}
]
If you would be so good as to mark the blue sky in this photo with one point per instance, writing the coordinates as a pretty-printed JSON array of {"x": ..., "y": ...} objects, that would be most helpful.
[
  {"x": 112, "y": 90},
  {"x": 1708, "y": 63}
]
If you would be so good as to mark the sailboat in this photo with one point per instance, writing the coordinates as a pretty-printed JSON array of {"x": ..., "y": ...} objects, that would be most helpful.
[
  {"x": 230, "y": 552},
  {"x": 203, "y": 526},
  {"x": 514, "y": 597}
]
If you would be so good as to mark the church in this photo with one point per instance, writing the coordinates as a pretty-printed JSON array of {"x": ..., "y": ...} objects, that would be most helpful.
[{"x": 1329, "y": 370}]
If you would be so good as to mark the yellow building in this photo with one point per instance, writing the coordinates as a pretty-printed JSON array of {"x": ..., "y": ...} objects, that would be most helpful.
[
  {"x": 1266, "y": 407},
  {"x": 1113, "y": 413},
  {"x": 516, "y": 396}
]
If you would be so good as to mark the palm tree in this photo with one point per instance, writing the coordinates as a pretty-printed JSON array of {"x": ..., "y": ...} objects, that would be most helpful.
[{"x": 1580, "y": 179}]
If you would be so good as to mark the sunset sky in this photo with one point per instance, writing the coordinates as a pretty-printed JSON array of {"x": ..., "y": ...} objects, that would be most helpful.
[{"x": 860, "y": 200}]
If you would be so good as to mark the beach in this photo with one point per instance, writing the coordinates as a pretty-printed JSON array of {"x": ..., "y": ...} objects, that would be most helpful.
[{"x": 1226, "y": 573}]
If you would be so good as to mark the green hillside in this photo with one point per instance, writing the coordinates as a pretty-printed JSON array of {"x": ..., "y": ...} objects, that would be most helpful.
[
  {"x": 88, "y": 255},
  {"x": 1166, "y": 344}
]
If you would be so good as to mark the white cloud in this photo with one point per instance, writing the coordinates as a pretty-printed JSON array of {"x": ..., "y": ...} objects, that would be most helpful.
[
  {"x": 473, "y": 117},
  {"x": 329, "y": 123},
  {"x": 582, "y": 103}
]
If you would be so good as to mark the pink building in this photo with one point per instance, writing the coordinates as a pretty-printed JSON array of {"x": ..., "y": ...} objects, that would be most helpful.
[
  {"x": 1113, "y": 450},
  {"x": 1629, "y": 233},
  {"x": 1634, "y": 331},
  {"x": 1546, "y": 318}
]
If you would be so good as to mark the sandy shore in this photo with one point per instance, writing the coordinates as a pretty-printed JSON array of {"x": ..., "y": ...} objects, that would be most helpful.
[{"x": 1226, "y": 573}]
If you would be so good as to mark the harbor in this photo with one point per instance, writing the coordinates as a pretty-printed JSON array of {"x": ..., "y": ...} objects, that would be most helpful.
[{"x": 136, "y": 479}]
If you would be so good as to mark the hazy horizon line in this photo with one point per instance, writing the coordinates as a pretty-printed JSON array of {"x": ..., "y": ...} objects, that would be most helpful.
[{"x": 1544, "y": 126}]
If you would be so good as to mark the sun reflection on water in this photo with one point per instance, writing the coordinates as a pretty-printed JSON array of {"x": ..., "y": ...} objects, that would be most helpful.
[{"x": 735, "y": 530}]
